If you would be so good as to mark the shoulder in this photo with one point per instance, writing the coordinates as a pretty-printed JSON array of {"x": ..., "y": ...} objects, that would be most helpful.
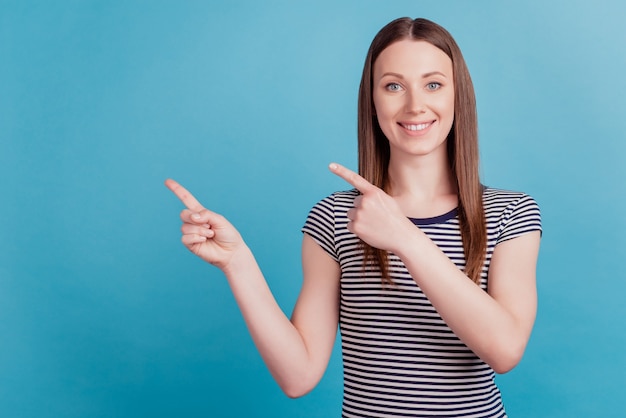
[
  {"x": 500, "y": 199},
  {"x": 337, "y": 201},
  {"x": 512, "y": 213},
  {"x": 328, "y": 218},
  {"x": 333, "y": 208},
  {"x": 495, "y": 196}
]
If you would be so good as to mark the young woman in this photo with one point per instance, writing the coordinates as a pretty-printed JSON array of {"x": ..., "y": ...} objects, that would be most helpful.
[{"x": 429, "y": 274}]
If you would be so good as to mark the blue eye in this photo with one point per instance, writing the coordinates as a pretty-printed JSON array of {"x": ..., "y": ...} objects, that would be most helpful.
[
  {"x": 433, "y": 86},
  {"x": 393, "y": 87}
]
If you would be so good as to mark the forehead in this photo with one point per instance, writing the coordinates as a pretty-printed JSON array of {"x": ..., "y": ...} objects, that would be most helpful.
[{"x": 410, "y": 56}]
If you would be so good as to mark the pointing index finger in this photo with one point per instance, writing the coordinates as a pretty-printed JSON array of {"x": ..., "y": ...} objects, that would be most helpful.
[
  {"x": 184, "y": 196},
  {"x": 351, "y": 177}
]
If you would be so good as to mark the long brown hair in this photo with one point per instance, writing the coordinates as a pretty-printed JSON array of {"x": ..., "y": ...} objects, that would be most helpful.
[{"x": 462, "y": 142}]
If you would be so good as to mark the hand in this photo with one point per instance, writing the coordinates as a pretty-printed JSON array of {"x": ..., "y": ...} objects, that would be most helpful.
[
  {"x": 206, "y": 234},
  {"x": 376, "y": 217}
]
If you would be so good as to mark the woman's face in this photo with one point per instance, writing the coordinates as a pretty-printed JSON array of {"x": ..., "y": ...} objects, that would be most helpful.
[{"x": 413, "y": 93}]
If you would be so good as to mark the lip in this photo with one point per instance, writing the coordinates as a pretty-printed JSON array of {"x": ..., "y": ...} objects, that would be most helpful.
[{"x": 416, "y": 128}]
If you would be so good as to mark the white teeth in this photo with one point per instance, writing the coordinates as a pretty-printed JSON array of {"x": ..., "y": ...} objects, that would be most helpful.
[{"x": 419, "y": 127}]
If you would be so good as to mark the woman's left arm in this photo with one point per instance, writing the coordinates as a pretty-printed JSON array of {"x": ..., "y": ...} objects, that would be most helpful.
[{"x": 496, "y": 324}]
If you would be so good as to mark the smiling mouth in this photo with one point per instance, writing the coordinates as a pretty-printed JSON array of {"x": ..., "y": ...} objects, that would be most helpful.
[{"x": 415, "y": 126}]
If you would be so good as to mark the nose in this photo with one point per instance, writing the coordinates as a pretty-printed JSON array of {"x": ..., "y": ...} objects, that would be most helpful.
[{"x": 414, "y": 102}]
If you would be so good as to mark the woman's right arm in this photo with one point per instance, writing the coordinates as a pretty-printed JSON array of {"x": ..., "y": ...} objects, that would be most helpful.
[{"x": 295, "y": 351}]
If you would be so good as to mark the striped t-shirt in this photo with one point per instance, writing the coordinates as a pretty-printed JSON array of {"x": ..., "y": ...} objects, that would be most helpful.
[{"x": 400, "y": 359}]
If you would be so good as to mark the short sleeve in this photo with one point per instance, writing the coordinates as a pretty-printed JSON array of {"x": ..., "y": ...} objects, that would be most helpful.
[
  {"x": 519, "y": 218},
  {"x": 320, "y": 225}
]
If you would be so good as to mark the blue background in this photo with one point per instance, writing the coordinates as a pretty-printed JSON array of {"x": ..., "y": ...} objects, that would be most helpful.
[{"x": 104, "y": 313}]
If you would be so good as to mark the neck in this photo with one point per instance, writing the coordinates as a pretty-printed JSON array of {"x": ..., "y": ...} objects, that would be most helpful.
[
  {"x": 421, "y": 177},
  {"x": 423, "y": 187}
]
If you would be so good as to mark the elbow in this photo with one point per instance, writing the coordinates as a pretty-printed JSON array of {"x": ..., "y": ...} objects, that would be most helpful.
[
  {"x": 298, "y": 386},
  {"x": 507, "y": 357},
  {"x": 502, "y": 367},
  {"x": 294, "y": 394},
  {"x": 299, "y": 381},
  {"x": 294, "y": 391}
]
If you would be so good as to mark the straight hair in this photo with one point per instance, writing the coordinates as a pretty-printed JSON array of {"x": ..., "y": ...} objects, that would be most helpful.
[{"x": 462, "y": 141}]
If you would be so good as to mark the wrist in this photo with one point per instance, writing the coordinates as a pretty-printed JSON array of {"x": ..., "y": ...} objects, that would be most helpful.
[
  {"x": 410, "y": 244},
  {"x": 239, "y": 262}
]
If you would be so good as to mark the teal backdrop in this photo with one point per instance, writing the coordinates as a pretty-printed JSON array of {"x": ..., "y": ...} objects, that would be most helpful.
[{"x": 103, "y": 313}]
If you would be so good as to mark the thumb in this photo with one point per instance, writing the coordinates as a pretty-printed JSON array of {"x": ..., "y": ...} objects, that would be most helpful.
[{"x": 202, "y": 217}]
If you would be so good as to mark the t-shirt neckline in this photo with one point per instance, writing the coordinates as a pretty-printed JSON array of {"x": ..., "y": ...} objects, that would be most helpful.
[{"x": 436, "y": 219}]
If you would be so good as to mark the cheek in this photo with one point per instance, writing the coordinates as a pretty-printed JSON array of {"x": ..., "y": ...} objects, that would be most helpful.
[
  {"x": 448, "y": 115},
  {"x": 449, "y": 105},
  {"x": 383, "y": 110},
  {"x": 383, "y": 117},
  {"x": 385, "y": 121}
]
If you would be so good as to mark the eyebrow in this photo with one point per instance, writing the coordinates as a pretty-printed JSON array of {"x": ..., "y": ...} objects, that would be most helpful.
[{"x": 425, "y": 75}]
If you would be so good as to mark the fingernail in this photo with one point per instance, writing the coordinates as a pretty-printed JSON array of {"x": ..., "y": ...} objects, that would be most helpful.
[
  {"x": 333, "y": 166},
  {"x": 195, "y": 216}
]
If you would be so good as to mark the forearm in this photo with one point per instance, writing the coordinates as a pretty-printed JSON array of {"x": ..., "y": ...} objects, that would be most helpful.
[
  {"x": 280, "y": 344},
  {"x": 486, "y": 326},
  {"x": 283, "y": 346}
]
